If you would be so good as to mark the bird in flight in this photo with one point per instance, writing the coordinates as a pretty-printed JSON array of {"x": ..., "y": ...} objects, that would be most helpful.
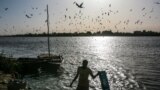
[
  {"x": 6, "y": 9},
  {"x": 157, "y": 2},
  {"x": 28, "y": 16},
  {"x": 143, "y": 9},
  {"x": 79, "y": 5}
]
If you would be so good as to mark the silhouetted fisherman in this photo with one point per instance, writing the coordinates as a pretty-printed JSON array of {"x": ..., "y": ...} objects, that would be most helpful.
[
  {"x": 79, "y": 6},
  {"x": 83, "y": 73}
]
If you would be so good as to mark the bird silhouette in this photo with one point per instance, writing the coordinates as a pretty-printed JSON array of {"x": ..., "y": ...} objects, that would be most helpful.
[
  {"x": 69, "y": 17},
  {"x": 28, "y": 16},
  {"x": 108, "y": 13},
  {"x": 79, "y": 6},
  {"x": 157, "y": 2},
  {"x": 6, "y": 9},
  {"x": 65, "y": 16},
  {"x": 137, "y": 22},
  {"x": 115, "y": 27},
  {"x": 143, "y": 9}
]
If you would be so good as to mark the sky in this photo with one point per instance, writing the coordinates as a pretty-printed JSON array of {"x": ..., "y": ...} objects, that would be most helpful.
[{"x": 29, "y": 16}]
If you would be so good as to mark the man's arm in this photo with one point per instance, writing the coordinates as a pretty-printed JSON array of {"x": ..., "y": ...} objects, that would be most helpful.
[
  {"x": 77, "y": 74},
  {"x": 93, "y": 76}
]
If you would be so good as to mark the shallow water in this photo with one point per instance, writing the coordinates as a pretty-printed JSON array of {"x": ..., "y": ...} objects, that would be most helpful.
[{"x": 132, "y": 63}]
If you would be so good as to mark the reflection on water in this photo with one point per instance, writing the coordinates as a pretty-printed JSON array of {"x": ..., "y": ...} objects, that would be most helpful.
[{"x": 132, "y": 63}]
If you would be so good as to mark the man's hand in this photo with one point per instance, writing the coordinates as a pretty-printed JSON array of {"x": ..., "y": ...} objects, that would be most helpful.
[{"x": 98, "y": 72}]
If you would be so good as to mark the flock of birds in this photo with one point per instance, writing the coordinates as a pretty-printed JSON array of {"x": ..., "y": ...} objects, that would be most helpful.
[
  {"x": 79, "y": 18},
  {"x": 100, "y": 19}
]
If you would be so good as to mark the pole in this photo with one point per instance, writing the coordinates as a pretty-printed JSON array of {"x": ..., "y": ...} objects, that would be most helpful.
[{"x": 48, "y": 31}]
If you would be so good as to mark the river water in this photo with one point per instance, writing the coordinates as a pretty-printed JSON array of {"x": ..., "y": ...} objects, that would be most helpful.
[{"x": 131, "y": 63}]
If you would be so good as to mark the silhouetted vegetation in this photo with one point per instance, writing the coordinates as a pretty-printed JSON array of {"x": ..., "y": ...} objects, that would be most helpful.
[
  {"x": 8, "y": 64},
  {"x": 88, "y": 33}
]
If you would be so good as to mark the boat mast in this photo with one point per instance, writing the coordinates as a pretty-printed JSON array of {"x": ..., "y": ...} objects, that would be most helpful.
[{"x": 48, "y": 31}]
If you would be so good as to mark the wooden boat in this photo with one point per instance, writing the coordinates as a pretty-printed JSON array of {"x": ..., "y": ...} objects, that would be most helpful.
[
  {"x": 44, "y": 61},
  {"x": 47, "y": 61},
  {"x": 43, "y": 58}
]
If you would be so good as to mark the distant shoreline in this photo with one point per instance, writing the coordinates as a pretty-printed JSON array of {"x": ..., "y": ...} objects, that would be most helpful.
[
  {"x": 84, "y": 36},
  {"x": 88, "y": 34}
]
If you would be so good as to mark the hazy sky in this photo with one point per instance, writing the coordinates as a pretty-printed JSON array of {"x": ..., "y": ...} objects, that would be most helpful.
[{"x": 97, "y": 15}]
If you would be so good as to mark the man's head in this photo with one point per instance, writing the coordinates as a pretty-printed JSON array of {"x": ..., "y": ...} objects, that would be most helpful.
[{"x": 85, "y": 63}]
